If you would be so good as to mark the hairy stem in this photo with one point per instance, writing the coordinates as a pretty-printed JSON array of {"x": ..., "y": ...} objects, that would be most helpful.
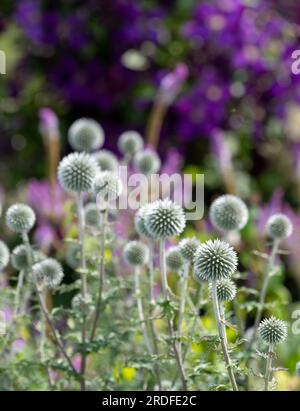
[
  {"x": 184, "y": 286},
  {"x": 165, "y": 289},
  {"x": 101, "y": 275},
  {"x": 222, "y": 337},
  {"x": 268, "y": 371}
]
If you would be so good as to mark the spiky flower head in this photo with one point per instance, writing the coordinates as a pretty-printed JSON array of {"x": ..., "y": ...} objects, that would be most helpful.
[
  {"x": 279, "y": 226},
  {"x": 77, "y": 171},
  {"x": 226, "y": 290},
  {"x": 92, "y": 215},
  {"x": 48, "y": 273},
  {"x": 214, "y": 260},
  {"x": 174, "y": 260},
  {"x": 228, "y": 213},
  {"x": 136, "y": 253},
  {"x": 106, "y": 161},
  {"x": 147, "y": 162},
  {"x": 83, "y": 304},
  {"x": 19, "y": 257},
  {"x": 140, "y": 221},
  {"x": 164, "y": 219},
  {"x": 20, "y": 218},
  {"x": 86, "y": 134},
  {"x": 272, "y": 330},
  {"x": 73, "y": 256},
  {"x": 130, "y": 142},
  {"x": 188, "y": 248},
  {"x": 107, "y": 186},
  {"x": 4, "y": 255}
]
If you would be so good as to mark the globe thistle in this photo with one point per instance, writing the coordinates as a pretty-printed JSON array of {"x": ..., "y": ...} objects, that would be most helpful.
[
  {"x": 140, "y": 221},
  {"x": 136, "y": 253},
  {"x": 130, "y": 142},
  {"x": 298, "y": 368},
  {"x": 4, "y": 255},
  {"x": 86, "y": 134},
  {"x": 73, "y": 256},
  {"x": 228, "y": 213},
  {"x": 174, "y": 259},
  {"x": 188, "y": 248},
  {"x": 147, "y": 162},
  {"x": 20, "y": 218},
  {"x": 164, "y": 219},
  {"x": 48, "y": 272},
  {"x": 77, "y": 171},
  {"x": 82, "y": 304},
  {"x": 214, "y": 260},
  {"x": 272, "y": 330},
  {"x": 107, "y": 186},
  {"x": 226, "y": 290},
  {"x": 92, "y": 215},
  {"x": 279, "y": 226},
  {"x": 19, "y": 257},
  {"x": 106, "y": 161}
]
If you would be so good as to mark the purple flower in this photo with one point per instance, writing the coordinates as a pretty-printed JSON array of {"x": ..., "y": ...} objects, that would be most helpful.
[
  {"x": 48, "y": 122},
  {"x": 171, "y": 84}
]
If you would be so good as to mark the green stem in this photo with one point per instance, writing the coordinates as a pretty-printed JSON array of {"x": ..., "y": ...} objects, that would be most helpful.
[
  {"x": 183, "y": 295},
  {"x": 269, "y": 367}
]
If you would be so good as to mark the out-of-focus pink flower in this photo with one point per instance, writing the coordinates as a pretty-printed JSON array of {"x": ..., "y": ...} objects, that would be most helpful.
[
  {"x": 18, "y": 346},
  {"x": 76, "y": 361},
  {"x": 48, "y": 123},
  {"x": 171, "y": 84},
  {"x": 45, "y": 236}
]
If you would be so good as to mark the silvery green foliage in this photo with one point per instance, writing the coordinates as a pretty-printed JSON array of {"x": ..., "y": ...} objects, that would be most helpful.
[
  {"x": 107, "y": 186},
  {"x": 214, "y": 260},
  {"x": 298, "y": 368},
  {"x": 140, "y": 221},
  {"x": 20, "y": 218},
  {"x": 228, "y": 213},
  {"x": 106, "y": 161},
  {"x": 165, "y": 219},
  {"x": 226, "y": 290},
  {"x": 73, "y": 256},
  {"x": 279, "y": 226},
  {"x": 147, "y": 162},
  {"x": 174, "y": 259},
  {"x": 272, "y": 330},
  {"x": 48, "y": 273},
  {"x": 136, "y": 253},
  {"x": 82, "y": 304},
  {"x": 188, "y": 248},
  {"x": 19, "y": 257},
  {"x": 92, "y": 215},
  {"x": 77, "y": 171},
  {"x": 4, "y": 255},
  {"x": 86, "y": 134},
  {"x": 130, "y": 142}
]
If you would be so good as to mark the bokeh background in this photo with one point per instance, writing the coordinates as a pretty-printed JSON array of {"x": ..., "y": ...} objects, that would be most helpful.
[{"x": 208, "y": 82}]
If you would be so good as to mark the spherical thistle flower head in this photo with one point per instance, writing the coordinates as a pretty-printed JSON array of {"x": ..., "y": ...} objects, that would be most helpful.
[
  {"x": 92, "y": 215},
  {"x": 228, "y": 213},
  {"x": 272, "y": 330},
  {"x": 279, "y": 226},
  {"x": 136, "y": 253},
  {"x": 165, "y": 219},
  {"x": 86, "y": 134},
  {"x": 214, "y": 260},
  {"x": 48, "y": 273},
  {"x": 140, "y": 221},
  {"x": 107, "y": 186},
  {"x": 188, "y": 248},
  {"x": 20, "y": 218},
  {"x": 147, "y": 162},
  {"x": 19, "y": 257},
  {"x": 77, "y": 171},
  {"x": 4, "y": 255},
  {"x": 106, "y": 161},
  {"x": 73, "y": 256},
  {"x": 226, "y": 290},
  {"x": 174, "y": 260},
  {"x": 82, "y": 304},
  {"x": 130, "y": 142}
]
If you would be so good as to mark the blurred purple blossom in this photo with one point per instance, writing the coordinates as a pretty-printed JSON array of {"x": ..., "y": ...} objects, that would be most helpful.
[
  {"x": 48, "y": 122},
  {"x": 171, "y": 84}
]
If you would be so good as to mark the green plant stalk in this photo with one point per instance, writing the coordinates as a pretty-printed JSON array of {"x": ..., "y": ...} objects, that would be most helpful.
[
  {"x": 43, "y": 307},
  {"x": 223, "y": 338},
  {"x": 262, "y": 297},
  {"x": 101, "y": 275},
  {"x": 183, "y": 295},
  {"x": 268, "y": 371},
  {"x": 81, "y": 227},
  {"x": 165, "y": 289},
  {"x": 151, "y": 321}
]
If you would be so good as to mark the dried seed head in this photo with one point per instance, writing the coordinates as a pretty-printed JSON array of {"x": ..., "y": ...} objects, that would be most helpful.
[
  {"x": 136, "y": 253},
  {"x": 188, "y": 248},
  {"x": 279, "y": 226},
  {"x": 272, "y": 330},
  {"x": 228, "y": 213},
  {"x": 86, "y": 134},
  {"x": 20, "y": 218}
]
